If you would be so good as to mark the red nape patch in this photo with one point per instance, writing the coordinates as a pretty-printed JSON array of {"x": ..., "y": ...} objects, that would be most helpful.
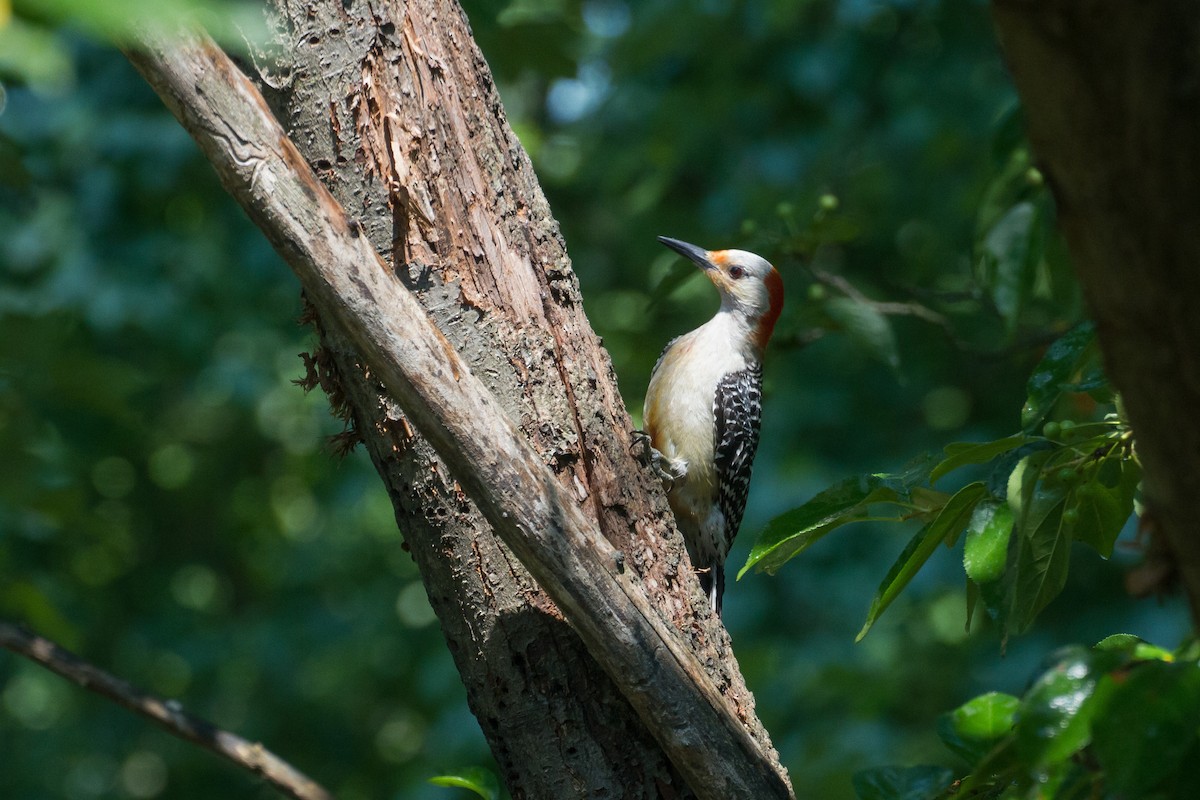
[{"x": 766, "y": 323}]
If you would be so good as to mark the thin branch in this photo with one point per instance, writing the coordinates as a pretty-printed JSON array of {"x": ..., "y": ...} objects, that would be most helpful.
[
  {"x": 607, "y": 605},
  {"x": 167, "y": 713}
]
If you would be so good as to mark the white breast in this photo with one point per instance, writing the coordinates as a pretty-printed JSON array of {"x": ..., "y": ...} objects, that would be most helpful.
[{"x": 679, "y": 408}]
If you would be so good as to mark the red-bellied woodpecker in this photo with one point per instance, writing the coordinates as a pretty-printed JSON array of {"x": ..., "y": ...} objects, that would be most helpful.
[{"x": 704, "y": 405}]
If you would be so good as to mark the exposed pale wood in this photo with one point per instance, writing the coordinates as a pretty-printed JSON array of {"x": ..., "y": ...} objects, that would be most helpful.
[
  {"x": 1111, "y": 90},
  {"x": 358, "y": 294}
]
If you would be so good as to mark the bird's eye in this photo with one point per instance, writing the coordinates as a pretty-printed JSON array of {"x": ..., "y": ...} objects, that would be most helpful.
[{"x": 737, "y": 272}]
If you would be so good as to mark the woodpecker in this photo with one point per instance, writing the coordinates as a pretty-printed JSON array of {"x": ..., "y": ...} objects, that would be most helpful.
[{"x": 704, "y": 406}]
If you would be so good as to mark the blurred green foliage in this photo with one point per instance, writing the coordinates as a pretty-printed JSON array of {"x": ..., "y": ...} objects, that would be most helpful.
[
  {"x": 1075, "y": 483},
  {"x": 1114, "y": 720},
  {"x": 169, "y": 508}
]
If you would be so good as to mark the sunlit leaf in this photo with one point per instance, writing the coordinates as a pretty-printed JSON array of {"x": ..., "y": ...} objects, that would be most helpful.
[
  {"x": 974, "y": 727},
  {"x": 34, "y": 55},
  {"x": 1134, "y": 646},
  {"x": 949, "y": 522},
  {"x": 476, "y": 779},
  {"x": 228, "y": 21},
  {"x": 792, "y": 532},
  {"x": 986, "y": 549}
]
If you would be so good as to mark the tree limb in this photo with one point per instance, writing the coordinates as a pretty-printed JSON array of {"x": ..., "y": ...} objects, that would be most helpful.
[
  {"x": 167, "y": 713},
  {"x": 1111, "y": 91},
  {"x": 359, "y": 295}
]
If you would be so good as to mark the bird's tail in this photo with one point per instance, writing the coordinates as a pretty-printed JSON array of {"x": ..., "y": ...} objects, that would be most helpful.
[{"x": 712, "y": 581}]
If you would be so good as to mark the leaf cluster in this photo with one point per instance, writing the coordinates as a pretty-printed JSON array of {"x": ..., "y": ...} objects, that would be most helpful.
[
  {"x": 1115, "y": 720},
  {"x": 1073, "y": 482}
]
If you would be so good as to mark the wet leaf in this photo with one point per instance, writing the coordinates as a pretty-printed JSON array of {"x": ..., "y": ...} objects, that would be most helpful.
[
  {"x": 972, "y": 729},
  {"x": 986, "y": 549}
]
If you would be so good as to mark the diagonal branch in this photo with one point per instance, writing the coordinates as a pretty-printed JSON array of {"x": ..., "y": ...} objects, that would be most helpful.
[
  {"x": 358, "y": 295},
  {"x": 167, "y": 713}
]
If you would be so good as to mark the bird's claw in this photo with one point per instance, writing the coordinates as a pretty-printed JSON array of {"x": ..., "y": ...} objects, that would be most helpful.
[{"x": 653, "y": 459}]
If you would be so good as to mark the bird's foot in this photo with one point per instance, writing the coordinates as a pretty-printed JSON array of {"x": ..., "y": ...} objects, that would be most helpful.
[{"x": 653, "y": 459}]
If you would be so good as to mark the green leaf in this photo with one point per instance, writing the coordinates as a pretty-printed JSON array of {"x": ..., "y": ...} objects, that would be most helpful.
[
  {"x": 680, "y": 273},
  {"x": 1149, "y": 726},
  {"x": 1022, "y": 481},
  {"x": 902, "y": 783},
  {"x": 1037, "y": 566},
  {"x": 1055, "y": 714},
  {"x": 959, "y": 454},
  {"x": 948, "y": 523},
  {"x": 34, "y": 55},
  {"x": 476, "y": 779},
  {"x": 986, "y": 550},
  {"x": 1043, "y": 554},
  {"x": 972, "y": 601},
  {"x": 999, "y": 596},
  {"x": 1134, "y": 646},
  {"x": 1055, "y": 372},
  {"x": 524, "y": 12},
  {"x": 1010, "y": 251},
  {"x": 792, "y": 532},
  {"x": 866, "y": 325},
  {"x": 121, "y": 20},
  {"x": 1104, "y": 509},
  {"x": 972, "y": 729},
  {"x": 844, "y": 502}
]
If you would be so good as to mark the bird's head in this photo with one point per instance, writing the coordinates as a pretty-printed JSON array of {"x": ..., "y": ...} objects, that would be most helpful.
[{"x": 748, "y": 284}]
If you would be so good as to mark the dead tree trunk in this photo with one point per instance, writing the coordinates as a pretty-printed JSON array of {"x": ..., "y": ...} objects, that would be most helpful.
[
  {"x": 394, "y": 107},
  {"x": 1112, "y": 94}
]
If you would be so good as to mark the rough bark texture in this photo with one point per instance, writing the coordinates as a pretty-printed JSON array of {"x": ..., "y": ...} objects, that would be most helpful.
[
  {"x": 1111, "y": 89},
  {"x": 358, "y": 296},
  {"x": 394, "y": 106}
]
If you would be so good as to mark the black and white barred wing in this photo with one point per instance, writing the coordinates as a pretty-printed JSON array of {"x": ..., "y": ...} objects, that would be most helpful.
[{"x": 737, "y": 410}]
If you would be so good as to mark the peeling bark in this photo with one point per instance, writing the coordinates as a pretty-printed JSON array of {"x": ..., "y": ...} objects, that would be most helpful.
[
  {"x": 395, "y": 109},
  {"x": 1112, "y": 94}
]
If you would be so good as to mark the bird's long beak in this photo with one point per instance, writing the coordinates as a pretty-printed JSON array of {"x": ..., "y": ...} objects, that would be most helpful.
[{"x": 696, "y": 254}]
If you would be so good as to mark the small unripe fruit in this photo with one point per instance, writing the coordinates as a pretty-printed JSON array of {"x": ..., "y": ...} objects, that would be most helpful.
[{"x": 1050, "y": 430}]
